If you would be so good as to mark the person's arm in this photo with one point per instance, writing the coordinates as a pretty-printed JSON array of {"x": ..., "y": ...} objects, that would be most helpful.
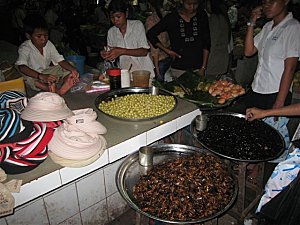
[
  {"x": 249, "y": 48},
  {"x": 153, "y": 33},
  {"x": 206, "y": 40},
  {"x": 117, "y": 51},
  {"x": 168, "y": 51},
  {"x": 67, "y": 66},
  {"x": 140, "y": 40},
  {"x": 204, "y": 62},
  {"x": 29, "y": 72},
  {"x": 290, "y": 110},
  {"x": 24, "y": 54},
  {"x": 44, "y": 78},
  {"x": 150, "y": 22},
  {"x": 290, "y": 65}
]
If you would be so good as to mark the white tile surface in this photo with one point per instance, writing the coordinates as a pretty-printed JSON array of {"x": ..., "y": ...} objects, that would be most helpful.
[
  {"x": 161, "y": 131},
  {"x": 62, "y": 204},
  {"x": 37, "y": 188},
  {"x": 186, "y": 119},
  {"x": 116, "y": 206},
  {"x": 96, "y": 214},
  {"x": 3, "y": 222},
  {"x": 91, "y": 189},
  {"x": 70, "y": 174},
  {"x": 119, "y": 151},
  {"x": 74, "y": 220},
  {"x": 33, "y": 214},
  {"x": 109, "y": 176}
]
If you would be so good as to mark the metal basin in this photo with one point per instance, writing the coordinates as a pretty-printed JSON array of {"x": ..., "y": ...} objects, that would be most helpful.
[
  {"x": 250, "y": 153},
  {"x": 108, "y": 96},
  {"x": 130, "y": 171}
]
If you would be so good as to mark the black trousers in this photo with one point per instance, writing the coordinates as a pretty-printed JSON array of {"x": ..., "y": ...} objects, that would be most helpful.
[{"x": 264, "y": 101}]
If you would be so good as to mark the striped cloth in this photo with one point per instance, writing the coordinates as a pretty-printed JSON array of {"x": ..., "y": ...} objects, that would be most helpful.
[
  {"x": 14, "y": 100},
  {"x": 27, "y": 154},
  {"x": 12, "y": 127}
]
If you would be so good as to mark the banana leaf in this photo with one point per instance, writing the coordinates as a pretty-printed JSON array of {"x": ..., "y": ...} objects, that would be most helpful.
[{"x": 191, "y": 80}]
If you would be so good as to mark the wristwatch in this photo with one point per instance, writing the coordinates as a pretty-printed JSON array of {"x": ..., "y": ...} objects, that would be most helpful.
[{"x": 250, "y": 24}]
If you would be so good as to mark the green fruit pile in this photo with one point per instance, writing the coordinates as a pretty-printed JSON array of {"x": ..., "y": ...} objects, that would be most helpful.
[{"x": 138, "y": 106}]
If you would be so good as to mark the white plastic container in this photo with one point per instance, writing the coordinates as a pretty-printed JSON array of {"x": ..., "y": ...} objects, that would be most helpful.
[{"x": 125, "y": 78}]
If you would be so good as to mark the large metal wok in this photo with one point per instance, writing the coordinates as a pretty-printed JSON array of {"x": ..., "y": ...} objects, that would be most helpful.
[
  {"x": 130, "y": 171},
  {"x": 229, "y": 145},
  {"x": 108, "y": 96}
]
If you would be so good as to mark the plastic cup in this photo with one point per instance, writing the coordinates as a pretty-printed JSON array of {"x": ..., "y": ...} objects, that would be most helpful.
[{"x": 140, "y": 78}]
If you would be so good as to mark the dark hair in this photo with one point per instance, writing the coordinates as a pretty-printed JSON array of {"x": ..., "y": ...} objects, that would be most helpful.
[
  {"x": 34, "y": 21},
  {"x": 118, "y": 6},
  {"x": 157, "y": 5},
  {"x": 218, "y": 7}
]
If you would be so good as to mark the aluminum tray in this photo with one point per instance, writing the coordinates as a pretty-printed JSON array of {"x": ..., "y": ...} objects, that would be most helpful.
[
  {"x": 130, "y": 171},
  {"x": 194, "y": 132},
  {"x": 109, "y": 95}
]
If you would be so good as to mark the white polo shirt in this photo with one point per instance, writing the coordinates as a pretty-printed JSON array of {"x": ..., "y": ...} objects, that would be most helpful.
[
  {"x": 30, "y": 56},
  {"x": 135, "y": 37},
  {"x": 274, "y": 46}
]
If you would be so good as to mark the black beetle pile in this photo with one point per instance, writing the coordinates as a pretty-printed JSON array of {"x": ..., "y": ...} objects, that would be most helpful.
[{"x": 237, "y": 138}]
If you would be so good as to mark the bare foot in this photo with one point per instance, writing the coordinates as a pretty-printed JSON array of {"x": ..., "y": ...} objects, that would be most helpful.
[
  {"x": 101, "y": 77},
  {"x": 69, "y": 82}
]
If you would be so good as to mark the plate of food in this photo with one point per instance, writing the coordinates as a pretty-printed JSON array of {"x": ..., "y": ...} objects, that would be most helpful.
[
  {"x": 206, "y": 94},
  {"x": 135, "y": 103},
  {"x": 185, "y": 185},
  {"x": 231, "y": 136}
]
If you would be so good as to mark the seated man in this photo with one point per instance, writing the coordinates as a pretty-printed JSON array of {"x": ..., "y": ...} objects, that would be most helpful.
[{"x": 38, "y": 54}]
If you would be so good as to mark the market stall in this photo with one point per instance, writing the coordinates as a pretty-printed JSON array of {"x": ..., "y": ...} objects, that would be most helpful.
[
  {"x": 123, "y": 138},
  {"x": 227, "y": 135}
]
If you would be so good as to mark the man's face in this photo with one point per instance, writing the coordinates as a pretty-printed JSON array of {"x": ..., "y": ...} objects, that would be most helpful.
[
  {"x": 118, "y": 19},
  {"x": 190, "y": 6},
  {"x": 39, "y": 38}
]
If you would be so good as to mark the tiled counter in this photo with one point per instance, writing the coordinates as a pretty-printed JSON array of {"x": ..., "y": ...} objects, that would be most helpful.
[{"x": 52, "y": 194}]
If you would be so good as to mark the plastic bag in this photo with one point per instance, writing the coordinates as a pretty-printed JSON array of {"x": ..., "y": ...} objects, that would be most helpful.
[{"x": 284, "y": 208}]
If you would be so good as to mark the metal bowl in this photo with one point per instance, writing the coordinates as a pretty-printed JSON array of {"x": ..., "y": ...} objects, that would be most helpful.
[
  {"x": 108, "y": 96},
  {"x": 218, "y": 151},
  {"x": 129, "y": 173}
]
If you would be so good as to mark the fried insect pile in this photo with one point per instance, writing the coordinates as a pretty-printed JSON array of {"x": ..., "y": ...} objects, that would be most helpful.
[
  {"x": 240, "y": 139},
  {"x": 185, "y": 189}
]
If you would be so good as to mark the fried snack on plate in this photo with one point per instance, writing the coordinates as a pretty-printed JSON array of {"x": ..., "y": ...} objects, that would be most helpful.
[{"x": 225, "y": 90}]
